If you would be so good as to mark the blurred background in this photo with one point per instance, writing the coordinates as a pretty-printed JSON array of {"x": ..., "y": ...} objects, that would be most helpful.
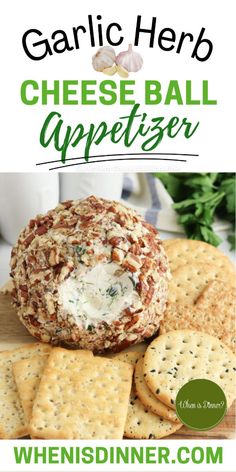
[{"x": 197, "y": 206}]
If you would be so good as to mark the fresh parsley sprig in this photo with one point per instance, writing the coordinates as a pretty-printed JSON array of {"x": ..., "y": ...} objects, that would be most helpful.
[{"x": 198, "y": 198}]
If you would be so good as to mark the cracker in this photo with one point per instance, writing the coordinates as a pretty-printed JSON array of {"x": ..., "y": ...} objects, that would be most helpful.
[
  {"x": 143, "y": 424},
  {"x": 12, "y": 421},
  {"x": 167, "y": 242},
  {"x": 213, "y": 313},
  {"x": 81, "y": 397},
  {"x": 189, "y": 280},
  {"x": 148, "y": 399},
  {"x": 131, "y": 357},
  {"x": 27, "y": 375},
  {"x": 218, "y": 301},
  {"x": 177, "y": 357},
  {"x": 7, "y": 287},
  {"x": 188, "y": 251},
  {"x": 179, "y": 316}
]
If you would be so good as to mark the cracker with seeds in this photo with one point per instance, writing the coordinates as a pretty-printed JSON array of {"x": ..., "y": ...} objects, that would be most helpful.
[
  {"x": 12, "y": 421},
  {"x": 27, "y": 375},
  {"x": 148, "y": 399},
  {"x": 143, "y": 424},
  {"x": 213, "y": 313},
  {"x": 131, "y": 357},
  {"x": 189, "y": 251},
  {"x": 189, "y": 280},
  {"x": 177, "y": 357},
  {"x": 81, "y": 397},
  {"x": 218, "y": 301},
  {"x": 179, "y": 316}
]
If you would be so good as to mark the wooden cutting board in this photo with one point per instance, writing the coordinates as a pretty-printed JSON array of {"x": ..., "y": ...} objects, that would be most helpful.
[{"x": 13, "y": 334}]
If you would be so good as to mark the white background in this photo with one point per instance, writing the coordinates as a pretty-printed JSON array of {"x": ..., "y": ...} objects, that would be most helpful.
[
  {"x": 21, "y": 124},
  {"x": 214, "y": 141},
  {"x": 7, "y": 460}
]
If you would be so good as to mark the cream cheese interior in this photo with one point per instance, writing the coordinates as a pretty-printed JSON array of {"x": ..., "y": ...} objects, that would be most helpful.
[{"x": 101, "y": 293}]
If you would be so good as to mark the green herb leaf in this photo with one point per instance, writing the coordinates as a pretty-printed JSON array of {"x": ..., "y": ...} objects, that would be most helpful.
[
  {"x": 199, "y": 198},
  {"x": 80, "y": 250},
  {"x": 112, "y": 291},
  {"x": 133, "y": 282},
  {"x": 90, "y": 327},
  {"x": 232, "y": 241}
]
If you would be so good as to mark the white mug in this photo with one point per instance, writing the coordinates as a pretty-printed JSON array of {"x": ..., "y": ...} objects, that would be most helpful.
[
  {"x": 22, "y": 197},
  {"x": 74, "y": 186}
]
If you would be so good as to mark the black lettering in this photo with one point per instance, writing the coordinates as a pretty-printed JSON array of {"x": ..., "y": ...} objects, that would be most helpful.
[
  {"x": 198, "y": 43},
  {"x": 108, "y": 34},
  {"x": 162, "y": 38},
  {"x": 90, "y": 22},
  {"x": 100, "y": 36},
  {"x": 181, "y": 40},
  {"x": 63, "y": 40},
  {"x": 142, "y": 30},
  {"x": 75, "y": 34},
  {"x": 45, "y": 42}
]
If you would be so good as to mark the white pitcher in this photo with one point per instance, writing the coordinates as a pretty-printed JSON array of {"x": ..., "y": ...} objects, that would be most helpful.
[
  {"x": 81, "y": 185},
  {"x": 23, "y": 196}
]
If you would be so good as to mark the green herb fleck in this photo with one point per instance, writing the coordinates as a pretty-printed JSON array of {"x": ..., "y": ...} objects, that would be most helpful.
[
  {"x": 90, "y": 327},
  {"x": 133, "y": 282},
  {"x": 112, "y": 291},
  {"x": 80, "y": 250}
]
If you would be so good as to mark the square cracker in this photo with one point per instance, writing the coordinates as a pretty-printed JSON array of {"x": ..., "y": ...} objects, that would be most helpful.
[
  {"x": 28, "y": 373},
  {"x": 213, "y": 313},
  {"x": 12, "y": 421},
  {"x": 130, "y": 357},
  {"x": 142, "y": 423},
  {"x": 81, "y": 397}
]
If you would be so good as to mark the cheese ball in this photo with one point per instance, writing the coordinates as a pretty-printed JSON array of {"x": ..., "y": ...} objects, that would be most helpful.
[{"x": 90, "y": 274}]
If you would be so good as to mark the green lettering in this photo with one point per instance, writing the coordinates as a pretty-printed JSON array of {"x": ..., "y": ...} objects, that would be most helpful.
[
  {"x": 23, "y": 454},
  {"x": 151, "y": 455},
  {"x": 112, "y": 95},
  {"x": 53, "y": 455},
  {"x": 122, "y": 455},
  {"x": 68, "y": 456},
  {"x": 24, "y": 89},
  {"x": 180, "y": 458},
  {"x": 101, "y": 455},
  {"x": 67, "y": 92},
  {"x": 124, "y": 91},
  {"x": 205, "y": 99},
  {"x": 54, "y": 91},
  {"x": 163, "y": 455},
  {"x": 87, "y": 455},
  {"x": 214, "y": 457},
  {"x": 197, "y": 451},
  {"x": 173, "y": 93},
  {"x": 152, "y": 89},
  {"x": 85, "y": 92},
  {"x": 189, "y": 100}
]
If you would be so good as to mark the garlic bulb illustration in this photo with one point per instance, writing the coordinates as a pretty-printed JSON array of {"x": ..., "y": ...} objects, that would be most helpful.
[
  {"x": 110, "y": 70},
  {"x": 130, "y": 60},
  {"x": 104, "y": 58},
  {"x": 122, "y": 71}
]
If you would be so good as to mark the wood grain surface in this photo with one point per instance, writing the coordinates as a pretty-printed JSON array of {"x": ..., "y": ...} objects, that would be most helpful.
[{"x": 13, "y": 334}]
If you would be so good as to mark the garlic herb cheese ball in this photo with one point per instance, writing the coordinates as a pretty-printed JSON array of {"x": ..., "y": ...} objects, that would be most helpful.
[{"x": 91, "y": 274}]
